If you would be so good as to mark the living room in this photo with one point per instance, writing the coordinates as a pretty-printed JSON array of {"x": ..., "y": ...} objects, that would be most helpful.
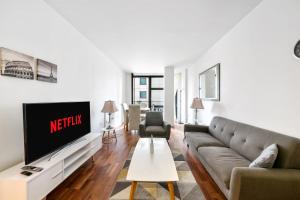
[{"x": 209, "y": 87}]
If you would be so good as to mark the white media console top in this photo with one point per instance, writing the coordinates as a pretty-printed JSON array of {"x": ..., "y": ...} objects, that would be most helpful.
[{"x": 15, "y": 186}]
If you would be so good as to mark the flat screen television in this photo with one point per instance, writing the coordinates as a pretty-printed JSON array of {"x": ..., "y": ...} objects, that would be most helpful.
[{"x": 51, "y": 126}]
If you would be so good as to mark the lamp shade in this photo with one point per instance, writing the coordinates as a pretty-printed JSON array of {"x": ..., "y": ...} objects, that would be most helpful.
[
  {"x": 109, "y": 107},
  {"x": 197, "y": 104}
]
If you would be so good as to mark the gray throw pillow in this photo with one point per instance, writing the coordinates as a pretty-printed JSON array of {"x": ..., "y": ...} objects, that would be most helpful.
[{"x": 267, "y": 157}]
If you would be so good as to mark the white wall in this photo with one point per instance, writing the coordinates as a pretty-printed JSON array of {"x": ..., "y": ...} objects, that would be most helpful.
[
  {"x": 259, "y": 75},
  {"x": 84, "y": 73},
  {"x": 169, "y": 97},
  {"x": 182, "y": 84},
  {"x": 127, "y": 90}
]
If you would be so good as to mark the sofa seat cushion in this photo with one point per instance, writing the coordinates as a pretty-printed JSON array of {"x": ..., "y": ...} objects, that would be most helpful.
[
  {"x": 199, "y": 139},
  {"x": 155, "y": 130},
  {"x": 222, "y": 160}
]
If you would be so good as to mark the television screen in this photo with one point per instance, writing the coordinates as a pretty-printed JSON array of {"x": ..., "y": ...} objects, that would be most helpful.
[{"x": 50, "y": 126}]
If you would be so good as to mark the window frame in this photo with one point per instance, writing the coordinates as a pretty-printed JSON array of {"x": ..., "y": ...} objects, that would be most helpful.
[{"x": 150, "y": 88}]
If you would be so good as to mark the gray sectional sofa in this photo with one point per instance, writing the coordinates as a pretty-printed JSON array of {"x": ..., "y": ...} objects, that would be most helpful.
[{"x": 226, "y": 148}]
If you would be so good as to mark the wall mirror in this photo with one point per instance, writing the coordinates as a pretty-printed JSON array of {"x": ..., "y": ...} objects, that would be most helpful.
[{"x": 209, "y": 84}]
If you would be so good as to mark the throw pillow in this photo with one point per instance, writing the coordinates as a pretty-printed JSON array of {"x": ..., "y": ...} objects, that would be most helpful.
[{"x": 267, "y": 157}]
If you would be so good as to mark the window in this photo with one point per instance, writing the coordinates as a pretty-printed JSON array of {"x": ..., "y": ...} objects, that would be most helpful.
[
  {"x": 157, "y": 82},
  {"x": 143, "y": 95},
  {"x": 140, "y": 92},
  {"x": 143, "y": 81},
  {"x": 148, "y": 90}
]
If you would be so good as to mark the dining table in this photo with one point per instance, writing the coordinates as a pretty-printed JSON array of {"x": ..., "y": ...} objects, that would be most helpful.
[{"x": 143, "y": 110}]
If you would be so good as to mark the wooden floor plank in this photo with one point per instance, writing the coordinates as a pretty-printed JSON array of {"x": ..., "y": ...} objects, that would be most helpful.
[{"x": 96, "y": 180}]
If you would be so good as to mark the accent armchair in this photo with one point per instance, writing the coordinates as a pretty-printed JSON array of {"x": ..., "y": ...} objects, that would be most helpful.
[{"x": 154, "y": 125}]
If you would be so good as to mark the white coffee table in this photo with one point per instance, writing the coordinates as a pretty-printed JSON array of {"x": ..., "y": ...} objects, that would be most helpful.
[{"x": 156, "y": 167}]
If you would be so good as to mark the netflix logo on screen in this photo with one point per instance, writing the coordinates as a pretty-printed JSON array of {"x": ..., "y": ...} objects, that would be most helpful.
[
  {"x": 51, "y": 126},
  {"x": 63, "y": 123}
]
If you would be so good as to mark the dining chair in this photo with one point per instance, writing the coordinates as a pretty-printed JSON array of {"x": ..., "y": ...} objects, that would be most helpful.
[
  {"x": 134, "y": 117},
  {"x": 125, "y": 115},
  {"x": 143, "y": 105}
]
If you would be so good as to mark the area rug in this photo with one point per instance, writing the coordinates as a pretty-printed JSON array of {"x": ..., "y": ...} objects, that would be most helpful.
[{"x": 185, "y": 189}]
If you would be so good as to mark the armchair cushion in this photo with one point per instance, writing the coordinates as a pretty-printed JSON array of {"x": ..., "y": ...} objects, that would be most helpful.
[
  {"x": 154, "y": 119},
  {"x": 155, "y": 130}
]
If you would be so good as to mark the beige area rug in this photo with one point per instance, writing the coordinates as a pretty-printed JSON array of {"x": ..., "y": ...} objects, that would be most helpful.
[{"x": 185, "y": 189}]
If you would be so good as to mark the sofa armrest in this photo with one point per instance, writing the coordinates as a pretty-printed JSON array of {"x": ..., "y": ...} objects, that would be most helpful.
[
  {"x": 195, "y": 128},
  {"x": 262, "y": 184},
  {"x": 167, "y": 128},
  {"x": 142, "y": 129}
]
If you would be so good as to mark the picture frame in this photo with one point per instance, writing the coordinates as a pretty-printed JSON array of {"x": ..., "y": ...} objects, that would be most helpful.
[
  {"x": 46, "y": 71},
  {"x": 16, "y": 64}
]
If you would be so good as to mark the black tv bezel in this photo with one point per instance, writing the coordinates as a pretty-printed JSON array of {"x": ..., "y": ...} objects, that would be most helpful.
[{"x": 58, "y": 148}]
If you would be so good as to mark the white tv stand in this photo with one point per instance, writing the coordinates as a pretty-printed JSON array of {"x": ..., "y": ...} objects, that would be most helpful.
[{"x": 15, "y": 186}]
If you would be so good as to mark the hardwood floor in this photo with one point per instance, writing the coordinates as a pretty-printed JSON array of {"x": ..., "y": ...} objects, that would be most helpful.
[
  {"x": 95, "y": 179},
  {"x": 207, "y": 185}
]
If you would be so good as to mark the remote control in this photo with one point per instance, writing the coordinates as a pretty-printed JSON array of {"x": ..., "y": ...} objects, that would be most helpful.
[
  {"x": 26, "y": 173},
  {"x": 32, "y": 168}
]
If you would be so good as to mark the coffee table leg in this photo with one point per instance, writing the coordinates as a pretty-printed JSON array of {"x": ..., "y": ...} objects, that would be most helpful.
[
  {"x": 171, "y": 190},
  {"x": 132, "y": 190}
]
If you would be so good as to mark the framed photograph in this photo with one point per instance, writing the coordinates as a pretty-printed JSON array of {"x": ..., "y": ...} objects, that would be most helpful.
[
  {"x": 46, "y": 71},
  {"x": 16, "y": 64}
]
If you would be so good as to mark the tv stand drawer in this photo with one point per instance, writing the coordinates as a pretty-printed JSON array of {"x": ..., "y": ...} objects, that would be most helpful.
[{"x": 45, "y": 183}]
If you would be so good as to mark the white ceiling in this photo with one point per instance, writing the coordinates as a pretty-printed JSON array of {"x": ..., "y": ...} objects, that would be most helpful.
[{"x": 144, "y": 36}]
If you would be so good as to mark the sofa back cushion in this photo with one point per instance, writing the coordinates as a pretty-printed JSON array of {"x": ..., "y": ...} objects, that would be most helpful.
[
  {"x": 223, "y": 129},
  {"x": 154, "y": 119},
  {"x": 250, "y": 141}
]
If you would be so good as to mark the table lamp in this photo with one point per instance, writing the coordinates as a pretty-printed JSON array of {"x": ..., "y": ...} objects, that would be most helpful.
[
  {"x": 197, "y": 104},
  {"x": 109, "y": 107}
]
